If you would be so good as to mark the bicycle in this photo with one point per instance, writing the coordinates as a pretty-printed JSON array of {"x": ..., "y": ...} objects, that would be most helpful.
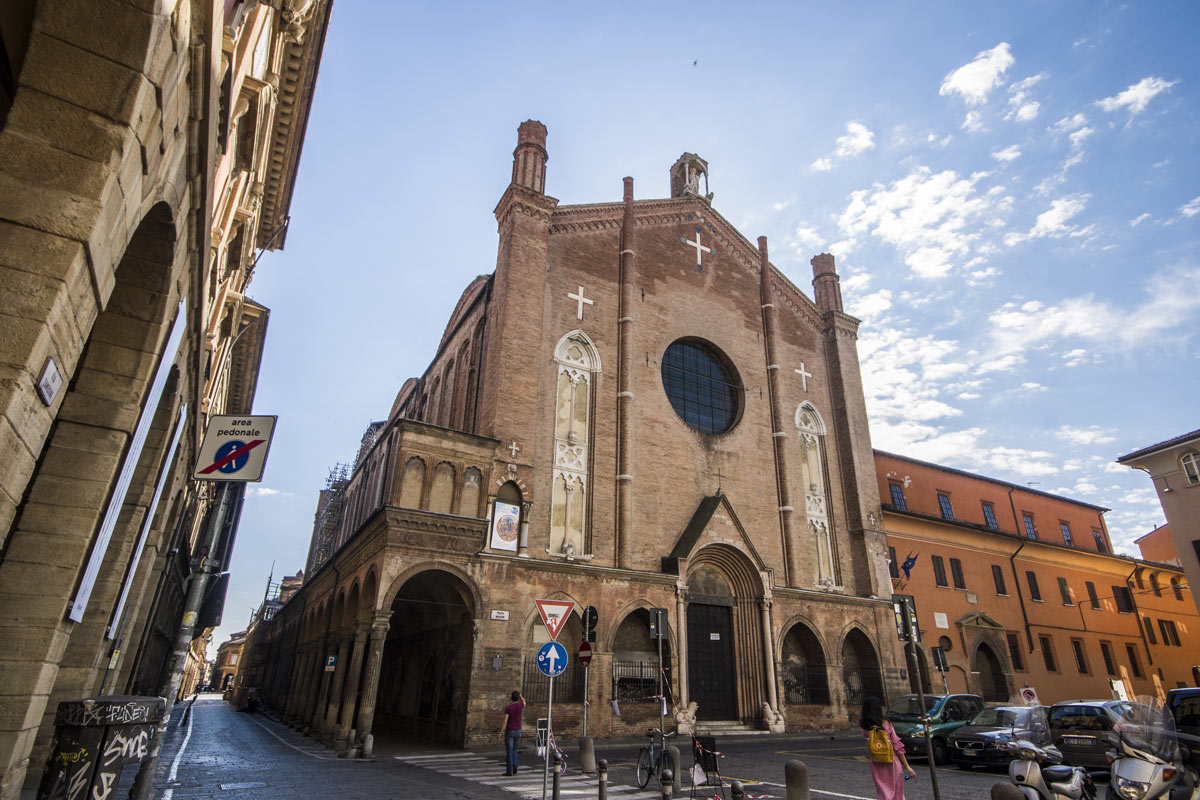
[{"x": 649, "y": 763}]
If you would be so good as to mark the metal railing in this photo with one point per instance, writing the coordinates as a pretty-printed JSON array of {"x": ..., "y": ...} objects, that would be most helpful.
[
  {"x": 636, "y": 681},
  {"x": 804, "y": 685},
  {"x": 568, "y": 687}
]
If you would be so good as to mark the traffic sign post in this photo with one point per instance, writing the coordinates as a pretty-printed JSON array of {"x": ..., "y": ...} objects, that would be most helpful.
[
  {"x": 585, "y": 658},
  {"x": 234, "y": 448},
  {"x": 551, "y": 661},
  {"x": 554, "y": 614}
]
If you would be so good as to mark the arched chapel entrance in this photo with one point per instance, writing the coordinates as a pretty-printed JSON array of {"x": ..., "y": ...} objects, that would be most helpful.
[
  {"x": 992, "y": 683},
  {"x": 426, "y": 668},
  {"x": 860, "y": 670},
  {"x": 724, "y": 635}
]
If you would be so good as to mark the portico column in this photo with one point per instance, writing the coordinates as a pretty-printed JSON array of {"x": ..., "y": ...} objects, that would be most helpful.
[
  {"x": 350, "y": 686},
  {"x": 769, "y": 654},
  {"x": 339, "y": 677},
  {"x": 681, "y": 644},
  {"x": 370, "y": 692},
  {"x": 316, "y": 666},
  {"x": 323, "y": 694},
  {"x": 299, "y": 670}
]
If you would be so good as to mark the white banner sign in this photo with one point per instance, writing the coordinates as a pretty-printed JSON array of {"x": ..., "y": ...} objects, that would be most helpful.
[{"x": 506, "y": 526}]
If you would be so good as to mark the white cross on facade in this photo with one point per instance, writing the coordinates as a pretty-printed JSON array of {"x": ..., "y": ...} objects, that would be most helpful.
[
  {"x": 804, "y": 376},
  {"x": 696, "y": 244},
  {"x": 512, "y": 448},
  {"x": 582, "y": 301}
]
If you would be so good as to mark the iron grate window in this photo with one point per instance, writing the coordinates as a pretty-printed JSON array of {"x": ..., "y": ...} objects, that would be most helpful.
[
  {"x": 898, "y": 497},
  {"x": 637, "y": 681},
  {"x": 704, "y": 392},
  {"x": 568, "y": 687}
]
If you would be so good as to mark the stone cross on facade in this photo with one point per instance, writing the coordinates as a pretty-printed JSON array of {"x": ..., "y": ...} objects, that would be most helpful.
[
  {"x": 512, "y": 448},
  {"x": 700, "y": 249},
  {"x": 582, "y": 301},
  {"x": 804, "y": 376}
]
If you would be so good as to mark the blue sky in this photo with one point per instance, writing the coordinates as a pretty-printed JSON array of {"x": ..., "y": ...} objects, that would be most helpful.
[{"x": 1011, "y": 190}]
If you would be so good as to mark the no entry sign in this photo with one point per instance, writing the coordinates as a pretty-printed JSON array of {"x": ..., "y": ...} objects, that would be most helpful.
[
  {"x": 585, "y": 654},
  {"x": 234, "y": 448}
]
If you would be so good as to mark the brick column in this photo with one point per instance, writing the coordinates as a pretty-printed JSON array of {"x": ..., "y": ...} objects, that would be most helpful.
[
  {"x": 323, "y": 693},
  {"x": 370, "y": 690},
  {"x": 625, "y": 388},
  {"x": 350, "y": 687}
]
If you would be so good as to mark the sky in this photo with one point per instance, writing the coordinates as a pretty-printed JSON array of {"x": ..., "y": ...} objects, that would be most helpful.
[{"x": 1011, "y": 191}]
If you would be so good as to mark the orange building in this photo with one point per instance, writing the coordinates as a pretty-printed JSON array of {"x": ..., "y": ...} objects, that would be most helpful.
[
  {"x": 1020, "y": 588},
  {"x": 1158, "y": 546}
]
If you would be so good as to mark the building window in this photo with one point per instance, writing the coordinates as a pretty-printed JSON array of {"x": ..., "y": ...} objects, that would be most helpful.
[
  {"x": 898, "y": 497},
  {"x": 1154, "y": 587},
  {"x": 1048, "y": 653},
  {"x": 939, "y": 571},
  {"x": 893, "y": 570},
  {"x": 989, "y": 516},
  {"x": 944, "y": 504},
  {"x": 702, "y": 385},
  {"x": 998, "y": 579},
  {"x": 1149, "y": 629},
  {"x": 1064, "y": 592},
  {"x": 1101, "y": 545},
  {"x": 570, "y": 475},
  {"x": 1034, "y": 591},
  {"x": 1131, "y": 651},
  {"x": 1124, "y": 599},
  {"x": 1175, "y": 588},
  {"x": 1106, "y": 651},
  {"x": 1030, "y": 530},
  {"x": 1191, "y": 468},
  {"x": 1014, "y": 652},
  {"x": 1170, "y": 635},
  {"x": 1080, "y": 661},
  {"x": 813, "y": 469},
  {"x": 1092, "y": 596},
  {"x": 1137, "y": 577},
  {"x": 956, "y": 572},
  {"x": 1066, "y": 532}
]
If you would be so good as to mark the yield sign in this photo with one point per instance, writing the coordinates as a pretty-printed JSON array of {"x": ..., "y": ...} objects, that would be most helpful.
[{"x": 554, "y": 614}]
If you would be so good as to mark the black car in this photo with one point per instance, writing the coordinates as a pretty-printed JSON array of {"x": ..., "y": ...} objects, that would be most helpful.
[
  {"x": 1082, "y": 730},
  {"x": 1185, "y": 708},
  {"x": 983, "y": 741}
]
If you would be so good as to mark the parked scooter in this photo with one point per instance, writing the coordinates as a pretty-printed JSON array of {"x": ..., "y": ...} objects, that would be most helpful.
[
  {"x": 1037, "y": 770},
  {"x": 1147, "y": 760}
]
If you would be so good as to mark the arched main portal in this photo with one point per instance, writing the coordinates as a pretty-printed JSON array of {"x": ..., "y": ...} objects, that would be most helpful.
[
  {"x": 427, "y": 657},
  {"x": 724, "y": 635},
  {"x": 860, "y": 670},
  {"x": 992, "y": 683}
]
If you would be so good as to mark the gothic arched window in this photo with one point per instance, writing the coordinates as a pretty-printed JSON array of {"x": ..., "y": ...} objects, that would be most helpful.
[
  {"x": 814, "y": 475},
  {"x": 578, "y": 364}
]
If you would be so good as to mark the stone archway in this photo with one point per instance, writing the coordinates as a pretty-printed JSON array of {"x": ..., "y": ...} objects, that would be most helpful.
[
  {"x": 804, "y": 673},
  {"x": 861, "y": 674},
  {"x": 426, "y": 665},
  {"x": 993, "y": 684}
]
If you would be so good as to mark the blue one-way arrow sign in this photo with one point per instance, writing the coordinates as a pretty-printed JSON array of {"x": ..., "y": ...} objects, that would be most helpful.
[{"x": 552, "y": 659}]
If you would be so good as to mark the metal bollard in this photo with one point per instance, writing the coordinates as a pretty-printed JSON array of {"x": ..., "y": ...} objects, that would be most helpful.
[
  {"x": 1005, "y": 791},
  {"x": 602, "y": 765},
  {"x": 796, "y": 778},
  {"x": 667, "y": 778},
  {"x": 736, "y": 792},
  {"x": 557, "y": 775},
  {"x": 673, "y": 758}
]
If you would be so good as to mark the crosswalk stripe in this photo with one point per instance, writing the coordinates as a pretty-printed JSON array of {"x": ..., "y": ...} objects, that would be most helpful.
[{"x": 528, "y": 784}]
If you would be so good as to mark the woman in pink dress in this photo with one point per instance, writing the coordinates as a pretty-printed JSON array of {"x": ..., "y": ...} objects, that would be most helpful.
[{"x": 889, "y": 778}]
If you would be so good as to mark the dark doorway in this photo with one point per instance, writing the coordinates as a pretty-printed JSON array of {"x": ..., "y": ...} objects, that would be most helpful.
[
  {"x": 992, "y": 682},
  {"x": 860, "y": 670},
  {"x": 710, "y": 661},
  {"x": 424, "y": 677},
  {"x": 805, "y": 679}
]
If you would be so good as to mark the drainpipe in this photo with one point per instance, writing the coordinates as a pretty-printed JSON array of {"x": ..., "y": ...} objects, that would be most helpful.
[
  {"x": 1012, "y": 561},
  {"x": 1137, "y": 613}
]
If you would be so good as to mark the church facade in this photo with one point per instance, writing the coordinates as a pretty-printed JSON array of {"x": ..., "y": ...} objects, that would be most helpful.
[{"x": 635, "y": 411}]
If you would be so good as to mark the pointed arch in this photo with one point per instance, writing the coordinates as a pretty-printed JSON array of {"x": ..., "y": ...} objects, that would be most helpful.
[
  {"x": 441, "y": 493},
  {"x": 578, "y": 362},
  {"x": 814, "y": 476}
]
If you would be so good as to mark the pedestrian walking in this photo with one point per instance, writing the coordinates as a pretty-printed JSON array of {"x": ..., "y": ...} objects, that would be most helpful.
[
  {"x": 510, "y": 731},
  {"x": 889, "y": 767}
]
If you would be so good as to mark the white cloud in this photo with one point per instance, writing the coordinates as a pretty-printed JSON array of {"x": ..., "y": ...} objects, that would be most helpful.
[
  {"x": 1010, "y": 153},
  {"x": 976, "y": 80},
  {"x": 1020, "y": 107},
  {"x": 1078, "y": 136},
  {"x": 1137, "y": 96},
  {"x": 1033, "y": 386},
  {"x": 822, "y": 165},
  {"x": 1069, "y": 123},
  {"x": 262, "y": 491},
  {"x": 1083, "y": 437},
  {"x": 781, "y": 206},
  {"x": 1133, "y": 223},
  {"x": 806, "y": 239},
  {"x": 968, "y": 395},
  {"x": 858, "y": 139},
  {"x": 1053, "y": 222},
  {"x": 1191, "y": 208},
  {"x": 924, "y": 215},
  {"x": 871, "y": 305},
  {"x": 973, "y": 122}
]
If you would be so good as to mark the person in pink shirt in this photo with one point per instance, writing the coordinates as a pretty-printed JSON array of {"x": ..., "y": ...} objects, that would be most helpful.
[
  {"x": 889, "y": 778},
  {"x": 510, "y": 731}
]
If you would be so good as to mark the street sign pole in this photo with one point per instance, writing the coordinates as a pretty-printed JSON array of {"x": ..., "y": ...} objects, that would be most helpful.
[
  {"x": 910, "y": 646},
  {"x": 549, "y": 737},
  {"x": 585, "y": 699}
]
